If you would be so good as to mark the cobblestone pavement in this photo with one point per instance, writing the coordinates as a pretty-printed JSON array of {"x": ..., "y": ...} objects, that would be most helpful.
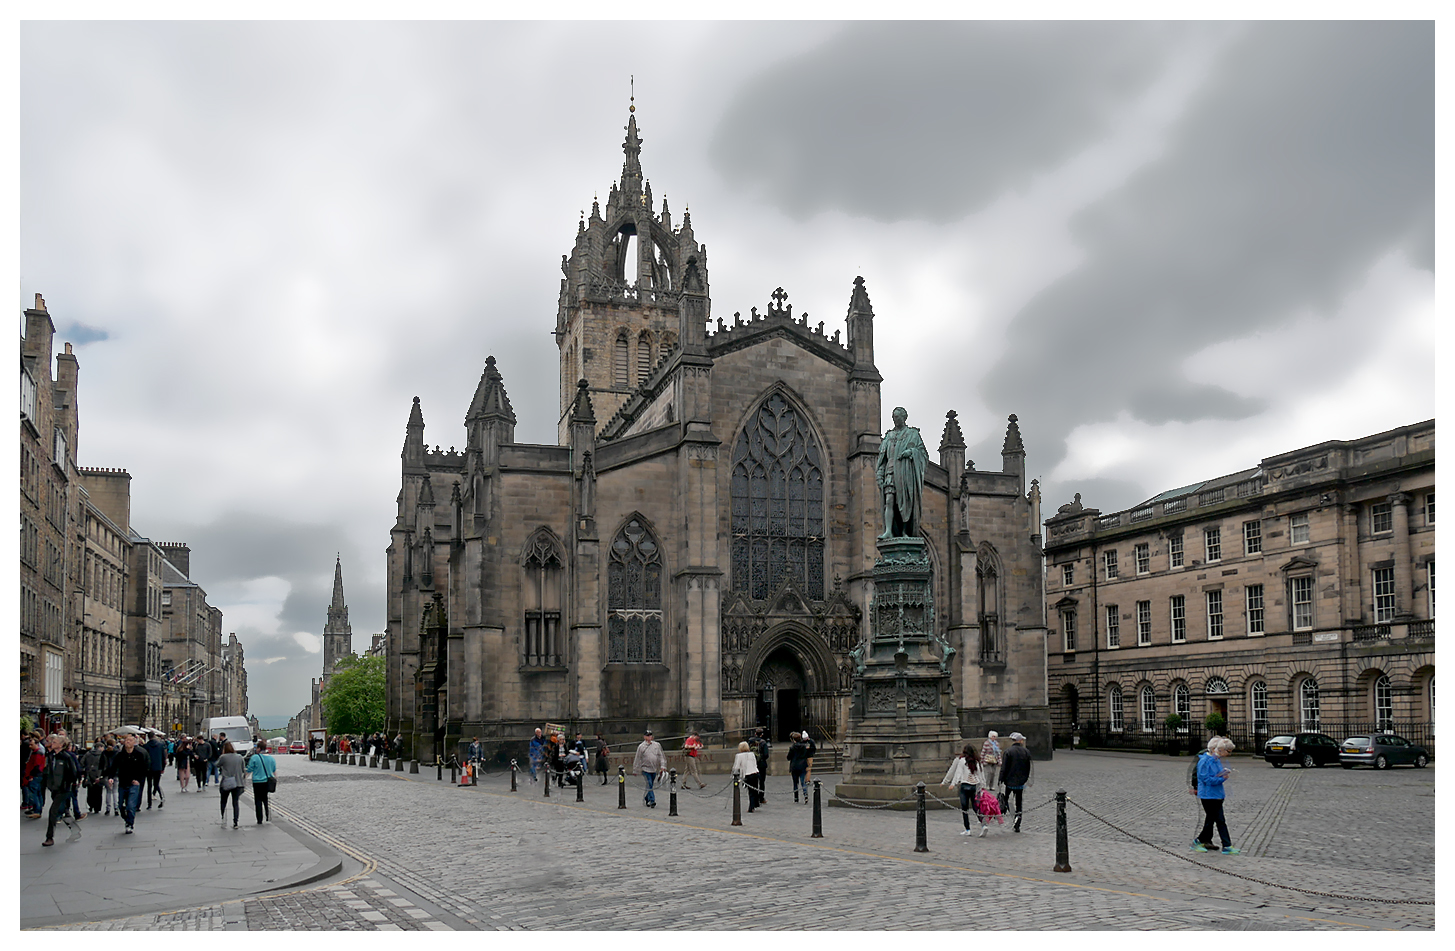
[{"x": 429, "y": 855}]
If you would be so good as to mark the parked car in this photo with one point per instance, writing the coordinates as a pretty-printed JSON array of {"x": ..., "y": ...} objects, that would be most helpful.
[
  {"x": 1381, "y": 751},
  {"x": 1305, "y": 749},
  {"x": 298, "y": 746}
]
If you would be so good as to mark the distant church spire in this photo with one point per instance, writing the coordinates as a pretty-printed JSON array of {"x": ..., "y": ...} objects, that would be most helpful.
[
  {"x": 338, "y": 586},
  {"x": 338, "y": 636}
]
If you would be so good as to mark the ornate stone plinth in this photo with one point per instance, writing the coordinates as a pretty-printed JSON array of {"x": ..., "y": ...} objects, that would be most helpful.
[{"x": 903, "y": 726}]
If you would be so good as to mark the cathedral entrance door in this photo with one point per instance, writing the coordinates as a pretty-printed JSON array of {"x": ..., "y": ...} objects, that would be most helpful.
[{"x": 780, "y": 685}]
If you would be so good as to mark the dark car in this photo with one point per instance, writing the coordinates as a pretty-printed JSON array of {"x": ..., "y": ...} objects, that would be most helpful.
[
  {"x": 1381, "y": 750},
  {"x": 1305, "y": 749}
]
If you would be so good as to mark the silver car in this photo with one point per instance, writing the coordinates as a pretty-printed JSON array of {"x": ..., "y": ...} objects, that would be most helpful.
[{"x": 1381, "y": 751}]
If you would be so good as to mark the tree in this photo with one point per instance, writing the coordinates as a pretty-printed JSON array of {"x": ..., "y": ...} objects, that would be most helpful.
[{"x": 353, "y": 700}]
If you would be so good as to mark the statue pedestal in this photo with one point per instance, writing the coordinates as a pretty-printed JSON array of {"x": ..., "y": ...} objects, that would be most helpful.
[{"x": 903, "y": 726}]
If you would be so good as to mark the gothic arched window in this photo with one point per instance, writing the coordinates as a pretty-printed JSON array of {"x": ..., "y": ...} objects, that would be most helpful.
[
  {"x": 620, "y": 363},
  {"x": 777, "y": 503},
  {"x": 644, "y": 357},
  {"x": 634, "y": 597},
  {"x": 541, "y": 599},
  {"x": 988, "y": 606}
]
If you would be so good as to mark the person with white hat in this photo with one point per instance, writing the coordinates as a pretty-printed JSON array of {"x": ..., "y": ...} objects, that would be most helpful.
[
  {"x": 1017, "y": 774},
  {"x": 990, "y": 758}
]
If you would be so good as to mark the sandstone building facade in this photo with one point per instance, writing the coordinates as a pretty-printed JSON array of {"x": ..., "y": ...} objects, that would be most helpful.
[
  {"x": 695, "y": 552},
  {"x": 1297, "y": 594},
  {"x": 96, "y": 648}
]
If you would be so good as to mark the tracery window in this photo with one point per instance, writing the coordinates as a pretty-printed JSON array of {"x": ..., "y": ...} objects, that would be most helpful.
[
  {"x": 777, "y": 503},
  {"x": 544, "y": 645},
  {"x": 634, "y": 597}
]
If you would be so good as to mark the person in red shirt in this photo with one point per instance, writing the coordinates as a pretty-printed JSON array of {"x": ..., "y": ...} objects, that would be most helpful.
[
  {"x": 690, "y": 749},
  {"x": 30, "y": 780}
]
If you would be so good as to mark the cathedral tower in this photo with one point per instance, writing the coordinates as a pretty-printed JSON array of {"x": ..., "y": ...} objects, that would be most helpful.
[
  {"x": 337, "y": 635},
  {"x": 622, "y": 308}
]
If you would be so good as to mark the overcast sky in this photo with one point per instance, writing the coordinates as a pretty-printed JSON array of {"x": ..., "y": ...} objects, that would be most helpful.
[{"x": 1171, "y": 249}]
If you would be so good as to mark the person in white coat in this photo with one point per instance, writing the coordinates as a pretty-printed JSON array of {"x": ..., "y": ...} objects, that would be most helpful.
[
  {"x": 745, "y": 764},
  {"x": 966, "y": 774}
]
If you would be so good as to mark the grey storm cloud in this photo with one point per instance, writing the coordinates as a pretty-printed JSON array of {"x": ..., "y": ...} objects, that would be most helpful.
[
  {"x": 1306, "y": 157},
  {"x": 80, "y": 334},
  {"x": 931, "y": 120}
]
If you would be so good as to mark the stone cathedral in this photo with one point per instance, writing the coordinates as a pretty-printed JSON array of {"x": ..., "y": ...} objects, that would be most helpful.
[{"x": 696, "y": 551}]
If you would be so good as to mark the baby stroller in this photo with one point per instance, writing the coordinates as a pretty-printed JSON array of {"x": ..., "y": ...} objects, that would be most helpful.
[
  {"x": 575, "y": 769},
  {"x": 989, "y": 806}
]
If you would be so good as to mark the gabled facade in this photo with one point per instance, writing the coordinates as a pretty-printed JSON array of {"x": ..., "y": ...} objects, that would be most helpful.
[{"x": 695, "y": 551}]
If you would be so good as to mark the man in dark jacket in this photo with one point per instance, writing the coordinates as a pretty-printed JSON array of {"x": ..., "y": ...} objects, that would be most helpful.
[
  {"x": 156, "y": 752},
  {"x": 798, "y": 764},
  {"x": 131, "y": 768},
  {"x": 60, "y": 776},
  {"x": 93, "y": 775},
  {"x": 201, "y": 760},
  {"x": 1015, "y": 773}
]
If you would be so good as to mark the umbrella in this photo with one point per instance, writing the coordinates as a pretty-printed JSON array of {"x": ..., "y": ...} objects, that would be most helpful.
[{"x": 123, "y": 730}]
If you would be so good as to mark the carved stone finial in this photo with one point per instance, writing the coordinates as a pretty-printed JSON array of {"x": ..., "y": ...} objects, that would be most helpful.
[
  {"x": 952, "y": 438},
  {"x": 1012, "y": 437}
]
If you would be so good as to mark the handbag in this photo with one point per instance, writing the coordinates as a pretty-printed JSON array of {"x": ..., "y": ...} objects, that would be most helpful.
[{"x": 271, "y": 785}]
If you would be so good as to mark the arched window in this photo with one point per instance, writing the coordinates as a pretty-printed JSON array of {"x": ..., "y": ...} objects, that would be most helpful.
[
  {"x": 777, "y": 503},
  {"x": 1384, "y": 704},
  {"x": 1114, "y": 708},
  {"x": 1148, "y": 709},
  {"x": 669, "y": 342},
  {"x": 1258, "y": 704},
  {"x": 541, "y": 598},
  {"x": 1182, "y": 706},
  {"x": 644, "y": 357},
  {"x": 620, "y": 363},
  {"x": 987, "y": 580},
  {"x": 1215, "y": 685},
  {"x": 634, "y": 597},
  {"x": 1308, "y": 704}
]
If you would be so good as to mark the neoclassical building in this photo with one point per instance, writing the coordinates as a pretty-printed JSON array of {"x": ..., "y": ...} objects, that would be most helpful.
[
  {"x": 1298, "y": 594},
  {"x": 694, "y": 553}
]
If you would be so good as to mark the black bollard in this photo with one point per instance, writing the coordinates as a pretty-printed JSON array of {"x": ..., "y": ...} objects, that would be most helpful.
[
  {"x": 453, "y": 769},
  {"x": 921, "y": 843},
  {"x": 621, "y": 787},
  {"x": 1063, "y": 847},
  {"x": 737, "y": 801},
  {"x": 475, "y": 773},
  {"x": 672, "y": 792},
  {"x": 512, "y": 775},
  {"x": 383, "y": 762},
  {"x": 581, "y": 786},
  {"x": 439, "y": 769},
  {"x": 399, "y": 766},
  {"x": 547, "y": 783},
  {"x": 817, "y": 812}
]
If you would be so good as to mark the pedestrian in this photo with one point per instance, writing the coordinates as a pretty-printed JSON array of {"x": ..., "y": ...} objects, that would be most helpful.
[
  {"x": 262, "y": 767},
  {"x": 649, "y": 761},
  {"x": 745, "y": 768},
  {"x": 1015, "y": 773},
  {"x": 1211, "y": 775},
  {"x": 990, "y": 754},
  {"x": 691, "y": 750},
  {"x": 93, "y": 775},
  {"x": 603, "y": 757},
  {"x": 157, "y": 757},
  {"x": 60, "y": 775},
  {"x": 229, "y": 780},
  {"x": 473, "y": 753},
  {"x": 966, "y": 774},
  {"x": 555, "y": 755},
  {"x": 184, "y": 762},
  {"x": 113, "y": 802},
  {"x": 73, "y": 794},
  {"x": 812, "y": 751},
  {"x": 32, "y": 780},
  {"x": 798, "y": 764},
  {"x": 537, "y": 753},
  {"x": 218, "y": 742},
  {"x": 130, "y": 770},
  {"x": 201, "y": 761},
  {"x": 761, "y": 750}
]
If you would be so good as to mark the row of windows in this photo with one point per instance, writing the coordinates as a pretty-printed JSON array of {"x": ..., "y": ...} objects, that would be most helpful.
[
  {"x": 1301, "y": 611},
  {"x": 1309, "y": 710},
  {"x": 100, "y": 652},
  {"x": 621, "y": 362},
  {"x": 29, "y": 543},
  {"x": 1381, "y": 521},
  {"x": 40, "y": 617},
  {"x": 103, "y": 582}
]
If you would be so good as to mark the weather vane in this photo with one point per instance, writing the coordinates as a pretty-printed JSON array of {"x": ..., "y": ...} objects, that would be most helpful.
[{"x": 633, "y": 107}]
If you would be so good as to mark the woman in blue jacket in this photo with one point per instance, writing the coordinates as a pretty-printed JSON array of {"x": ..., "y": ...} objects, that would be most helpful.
[{"x": 1211, "y": 775}]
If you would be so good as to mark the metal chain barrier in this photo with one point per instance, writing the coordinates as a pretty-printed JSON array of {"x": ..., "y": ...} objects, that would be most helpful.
[
  {"x": 854, "y": 805},
  {"x": 1250, "y": 878}
]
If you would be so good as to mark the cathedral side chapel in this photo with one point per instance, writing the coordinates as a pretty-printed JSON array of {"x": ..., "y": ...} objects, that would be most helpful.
[{"x": 697, "y": 551}]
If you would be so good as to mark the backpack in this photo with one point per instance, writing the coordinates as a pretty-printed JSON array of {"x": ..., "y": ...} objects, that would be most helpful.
[{"x": 1192, "y": 774}]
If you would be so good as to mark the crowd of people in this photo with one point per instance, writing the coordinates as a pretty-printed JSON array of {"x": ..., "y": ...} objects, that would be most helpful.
[
  {"x": 372, "y": 744},
  {"x": 116, "y": 770}
]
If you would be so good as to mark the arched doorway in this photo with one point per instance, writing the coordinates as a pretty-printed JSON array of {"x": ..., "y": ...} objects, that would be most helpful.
[{"x": 780, "y": 689}]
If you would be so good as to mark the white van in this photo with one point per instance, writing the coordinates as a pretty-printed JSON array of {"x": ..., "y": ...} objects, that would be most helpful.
[{"x": 239, "y": 734}]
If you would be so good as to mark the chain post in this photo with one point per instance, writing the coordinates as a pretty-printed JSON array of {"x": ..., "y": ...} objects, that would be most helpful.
[
  {"x": 621, "y": 787},
  {"x": 1063, "y": 847},
  {"x": 512, "y": 775},
  {"x": 672, "y": 792},
  {"x": 581, "y": 785},
  {"x": 453, "y": 770},
  {"x": 439, "y": 769},
  {"x": 547, "y": 784},
  {"x": 921, "y": 843},
  {"x": 817, "y": 811},
  {"x": 737, "y": 801}
]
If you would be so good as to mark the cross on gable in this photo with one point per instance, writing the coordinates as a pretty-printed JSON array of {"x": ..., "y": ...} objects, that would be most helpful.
[{"x": 779, "y": 296}]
